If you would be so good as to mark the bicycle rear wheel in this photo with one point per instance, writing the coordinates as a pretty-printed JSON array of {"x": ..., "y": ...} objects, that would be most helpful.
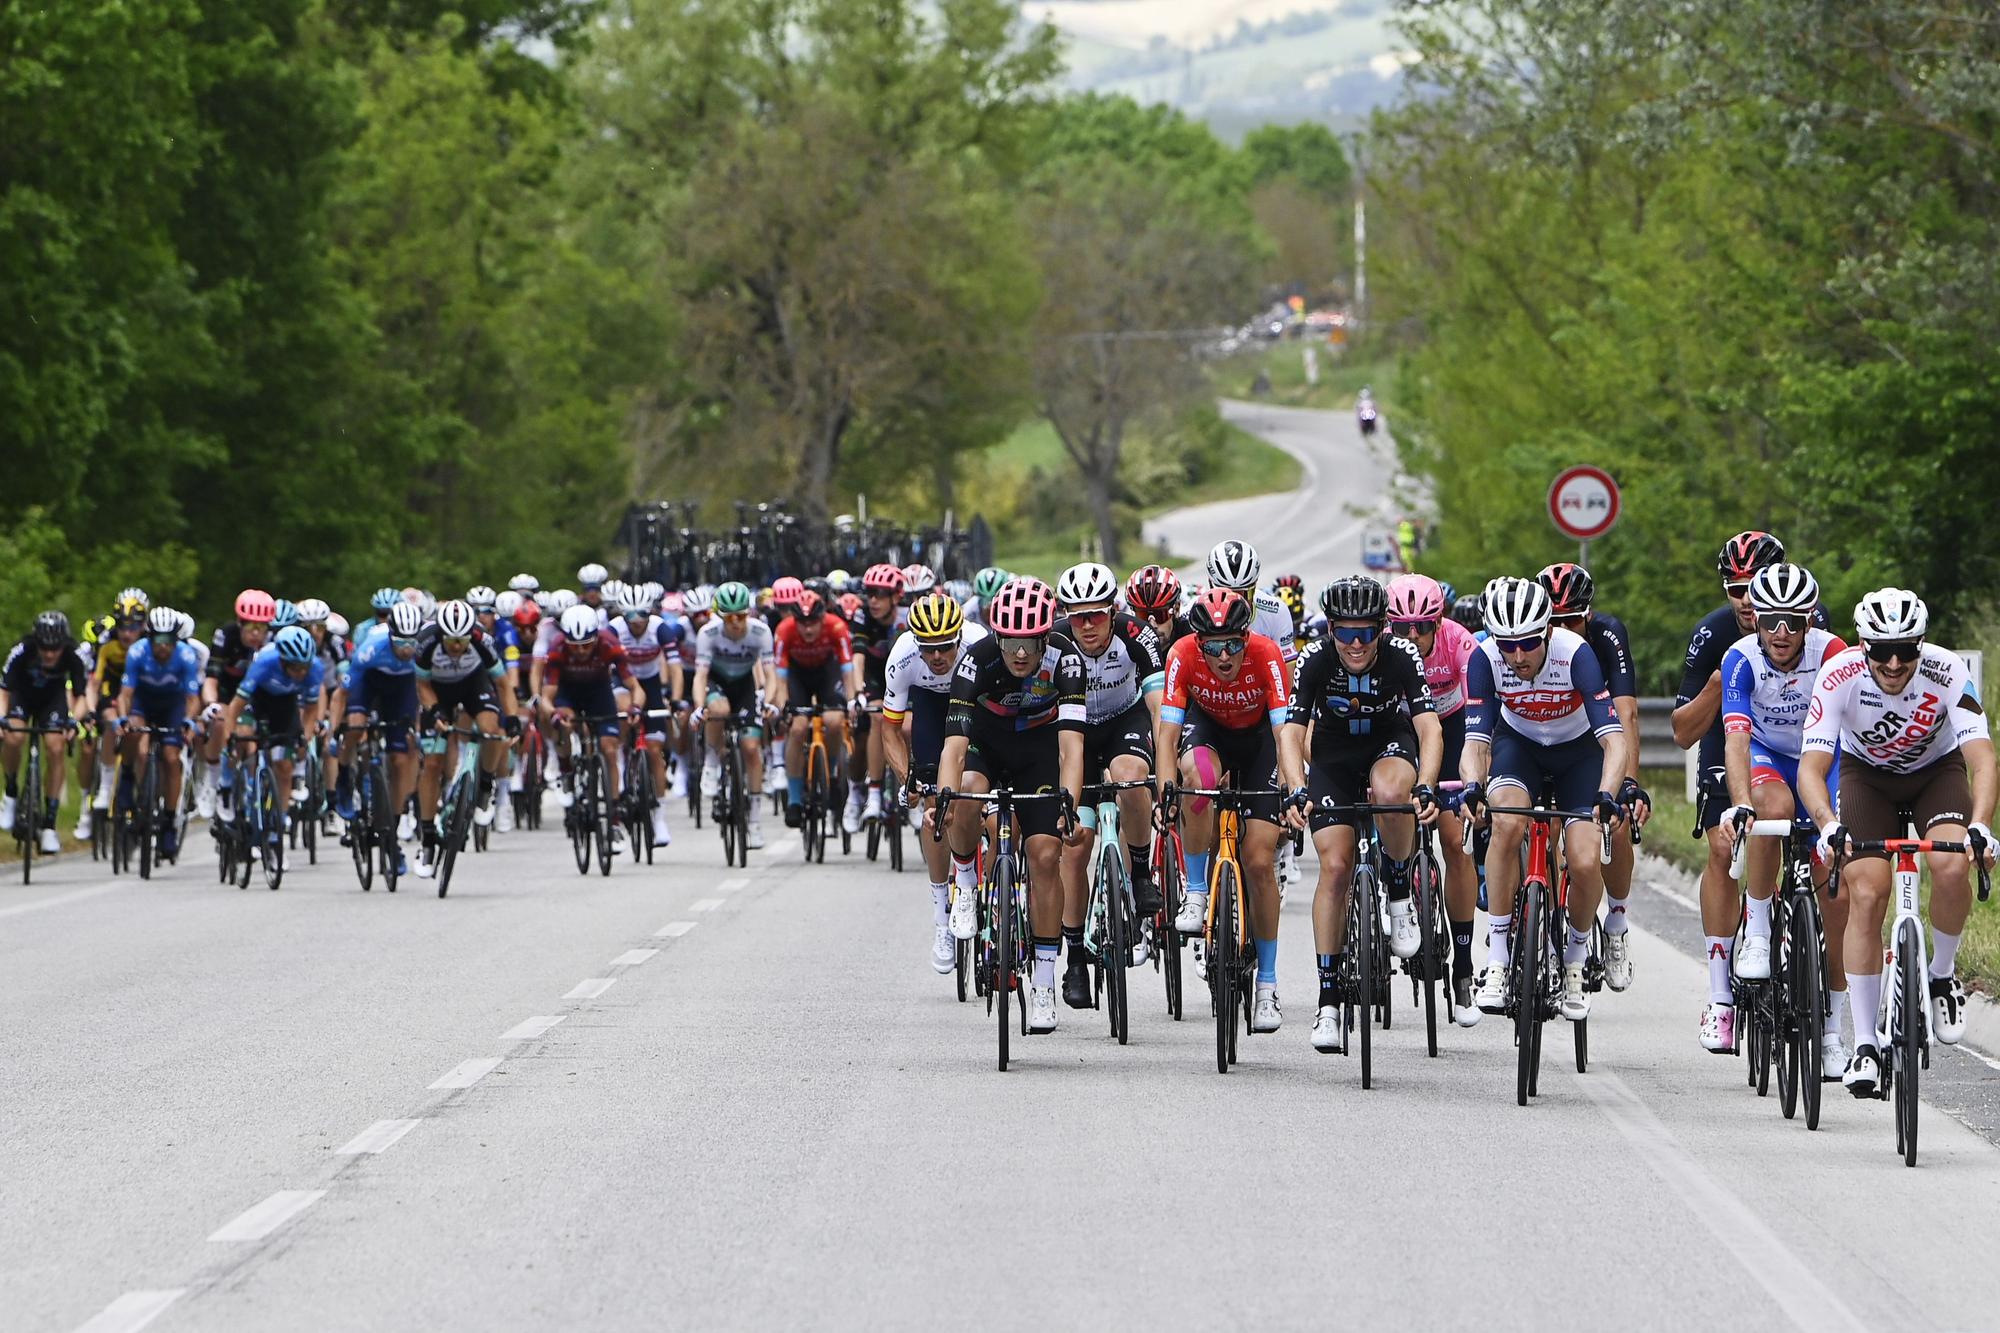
[
  {"x": 1530, "y": 968},
  {"x": 1005, "y": 946},
  {"x": 1222, "y": 964},
  {"x": 1362, "y": 911},
  {"x": 1908, "y": 1036}
]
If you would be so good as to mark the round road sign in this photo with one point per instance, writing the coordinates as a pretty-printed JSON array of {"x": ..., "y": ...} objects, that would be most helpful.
[{"x": 1584, "y": 502}]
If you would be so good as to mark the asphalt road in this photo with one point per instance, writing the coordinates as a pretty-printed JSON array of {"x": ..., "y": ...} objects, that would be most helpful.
[{"x": 775, "y": 1114}]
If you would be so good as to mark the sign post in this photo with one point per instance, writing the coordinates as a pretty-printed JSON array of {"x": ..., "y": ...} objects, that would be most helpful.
[{"x": 1584, "y": 504}]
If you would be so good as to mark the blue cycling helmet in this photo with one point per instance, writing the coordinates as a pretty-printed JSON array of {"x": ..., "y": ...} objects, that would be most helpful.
[
  {"x": 385, "y": 598},
  {"x": 295, "y": 645},
  {"x": 284, "y": 615},
  {"x": 1450, "y": 593}
]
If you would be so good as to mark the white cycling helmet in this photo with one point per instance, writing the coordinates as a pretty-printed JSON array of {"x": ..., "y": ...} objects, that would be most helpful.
[
  {"x": 1783, "y": 588},
  {"x": 336, "y": 624},
  {"x": 163, "y": 620},
  {"x": 1087, "y": 584},
  {"x": 1234, "y": 564},
  {"x": 480, "y": 596},
  {"x": 1517, "y": 608},
  {"x": 579, "y": 622},
  {"x": 592, "y": 575},
  {"x": 506, "y": 604},
  {"x": 525, "y": 583},
  {"x": 652, "y": 591},
  {"x": 405, "y": 620},
  {"x": 918, "y": 579},
  {"x": 615, "y": 591},
  {"x": 312, "y": 610},
  {"x": 1891, "y": 614},
  {"x": 697, "y": 600},
  {"x": 561, "y": 600},
  {"x": 456, "y": 619}
]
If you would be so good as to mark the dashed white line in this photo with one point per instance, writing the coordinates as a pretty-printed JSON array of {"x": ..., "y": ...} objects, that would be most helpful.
[
  {"x": 732, "y": 885},
  {"x": 634, "y": 957},
  {"x": 268, "y": 1216},
  {"x": 704, "y": 904},
  {"x": 131, "y": 1312},
  {"x": 673, "y": 930},
  {"x": 467, "y": 1073},
  {"x": 377, "y": 1137},
  {"x": 530, "y": 1028},
  {"x": 590, "y": 988}
]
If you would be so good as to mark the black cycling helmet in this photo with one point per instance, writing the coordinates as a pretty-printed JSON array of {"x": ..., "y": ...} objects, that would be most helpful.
[
  {"x": 1356, "y": 597},
  {"x": 1570, "y": 588},
  {"x": 1465, "y": 610},
  {"x": 1746, "y": 553},
  {"x": 52, "y": 630}
]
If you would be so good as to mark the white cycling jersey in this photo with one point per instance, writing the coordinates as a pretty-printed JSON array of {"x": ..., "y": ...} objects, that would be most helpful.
[
  {"x": 1768, "y": 702},
  {"x": 733, "y": 659},
  {"x": 1274, "y": 622},
  {"x": 644, "y": 651},
  {"x": 1567, "y": 698},
  {"x": 1902, "y": 733},
  {"x": 906, "y": 671}
]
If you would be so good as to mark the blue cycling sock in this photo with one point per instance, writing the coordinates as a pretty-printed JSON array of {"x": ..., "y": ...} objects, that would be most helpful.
[
  {"x": 1267, "y": 962},
  {"x": 797, "y": 788},
  {"x": 1197, "y": 869}
]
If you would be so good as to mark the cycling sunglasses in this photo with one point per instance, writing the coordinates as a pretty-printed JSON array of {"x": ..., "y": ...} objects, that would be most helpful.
[
  {"x": 933, "y": 649},
  {"x": 1413, "y": 628},
  {"x": 1021, "y": 647},
  {"x": 1518, "y": 645},
  {"x": 1352, "y": 634},
  {"x": 457, "y": 645},
  {"x": 1098, "y": 616},
  {"x": 1897, "y": 650},
  {"x": 1221, "y": 647},
  {"x": 399, "y": 644},
  {"x": 1737, "y": 591},
  {"x": 1794, "y": 621}
]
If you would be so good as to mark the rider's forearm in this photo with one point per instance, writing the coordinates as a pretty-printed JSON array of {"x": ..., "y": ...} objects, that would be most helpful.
[
  {"x": 1627, "y": 709},
  {"x": 1979, "y": 763},
  {"x": 1291, "y": 756},
  {"x": 1430, "y": 748},
  {"x": 951, "y": 762},
  {"x": 1693, "y": 718},
  {"x": 1475, "y": 760},
  {"x": 1736, "y": 765},
  {"x": 1615, "y": 750},
  {"x": 1070, "y": 746},
  {"x": 1816, "y": 800}
]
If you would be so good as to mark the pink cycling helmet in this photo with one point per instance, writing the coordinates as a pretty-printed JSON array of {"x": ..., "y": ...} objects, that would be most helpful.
[
  {"x": 1024, "y": 609},
  {"x": 1415, "y": 597},
  {"x": 256, "y": 605},
  {"x": 786, "y": 591}
]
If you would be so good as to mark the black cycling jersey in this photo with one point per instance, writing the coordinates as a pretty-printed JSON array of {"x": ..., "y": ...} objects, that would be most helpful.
[
  {"x": 985, "y": 693},
  {"x": 1350, "y": 709},
  {"x": 872, "y": 641},
  {"x": 1116, "y": 677},
  {"x": 437, "y": 665},
  {"x": 228, "y": 660},
  {"x": 1607, "y": 638},
  {"x": 24, "y": 673}
]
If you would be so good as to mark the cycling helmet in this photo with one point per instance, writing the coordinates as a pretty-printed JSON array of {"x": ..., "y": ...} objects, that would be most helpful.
[
  {"x": 1450, "y": 593},
  {"x": 1517, "y": 608},
  {"x": 131, "y": 605},
  {"x": 838, "y": 579},
  {"x": 456, "y": 620},
  {"x": 809, "y": 605},
  {"x": 592, "y": 575},
  {"x": 134, "y": 595},
  {"x": 525, "y": 583},
  {"x": 1569, "y": 587},
  {"x": 295, "y": 646},
  {"x": 849, "y": 603},
  {"x": 528, "y": 614},
  {"x": 336, "y": 625},
  {"x": 52, "y": 630},
  {"x": 732, "y": 598},
  {"x": 384, "y": 598},
  {"x": 1025, "y": 609},
  {"x": 1087, "y": 584},
  {"x": 1746, "y": 553},
  {"x": 481, "y": 597},
  {"x": 312, "y": 611},
  {"x": 1356, "y": 597},
  {"x": 1294, "y": 602},
  {"x": 695, "y": 601},
  {"x": 1220, "y": 611},
  {"x": 545, "y": 602},
  {"x": 819, "y": 586},
  {"x": 255, "y": 604},
  {"x": 919, "y": 579},
  {"x": 561, "y": 600},
  {"x": 283, "y": 614},
  {"x": 1233, "y": 564},
  {"x": 579, "y": 622},
  {"x": 1292, "y": 581},
  {"x": 959, "y": 590},
  {"x": 988, "y": 582},
  {"x": 163, "y": 620},
  {"x": 935, "y": 619},
  {"x": 506, "y": 604},
  {"x": 613, "y": 593},
  {"x": 882, "y": 578},
  {"x": 1783, "y": 588},
  {"x": 405, "y": 620},
  {"x": 634, "y": 603},
  {"x": 1153, "y": 588},
  {"x": 1890, "y": 614},
  {"x": 1415, "y": 597},
  {"x": 1465, "y": 610}
]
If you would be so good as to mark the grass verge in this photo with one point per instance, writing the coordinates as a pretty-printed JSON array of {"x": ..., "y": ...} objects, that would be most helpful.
[{"x": 1284, "y": 362}]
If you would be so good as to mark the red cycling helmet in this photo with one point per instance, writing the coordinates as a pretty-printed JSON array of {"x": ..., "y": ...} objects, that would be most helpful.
[
  {"x": 809, "y": 604},
  {"x": 1570, "y": 588},
  {"x": 254, "y": 604},
  {"x": 850, "y": 603},
  {"x": 1290, "y": 581},
  {"x": 785, "y": 592},
  {"x": 1024, "y": 609},
  {"x": 527, "y": 615},
  {"x": 1746, "y": 553},
  {"x": 1220, "y": 611},
  {"x": 1153, "y": 588},
  {"x": 883, "y": 578},
  {"x": 1415, "y": 597}
]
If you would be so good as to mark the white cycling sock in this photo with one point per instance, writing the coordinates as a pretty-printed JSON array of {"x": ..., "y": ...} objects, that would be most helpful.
[
  {"x": 1864, "y": 1001},
  {"x": 965, "y": 872},
  {"x": 1944, "y": 952},
  {"x": 1720, "y": 950},
  {"x": 1046, "y": 952},
  {"x": 1615, "y": 922},
  {"x": 1499, "y": 938},
  {"x": 1759, "y": 912},
  {"x": 1578, "y": 947},
  {"x": 1836, "y": 1011},
  {"x": 941, "y": 902}
]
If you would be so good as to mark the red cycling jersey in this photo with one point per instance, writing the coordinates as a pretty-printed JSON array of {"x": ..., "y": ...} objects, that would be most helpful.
[
  {"x": 588, "y": 661},
  {"x": 834, "y": 644},
  {"x": 1258, "y": 692}
]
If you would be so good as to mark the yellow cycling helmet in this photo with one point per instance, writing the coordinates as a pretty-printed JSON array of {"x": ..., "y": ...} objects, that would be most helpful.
[{"x": 935, "y": 618}]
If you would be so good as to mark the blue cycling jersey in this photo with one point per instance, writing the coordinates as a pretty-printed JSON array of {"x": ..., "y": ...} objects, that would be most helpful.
[
  {"x": 180, "y": 673},
  {"x": 374, "y": 653},
  {"x": 267, "y": 675}
]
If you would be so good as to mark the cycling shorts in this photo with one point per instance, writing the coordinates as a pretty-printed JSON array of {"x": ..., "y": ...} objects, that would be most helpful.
[
  {"x": 593, "y": 702},
  {"x": 740, "y": 691},
  {"x": 1876, "y": 804},
  {"x": 1249, "y": 754},
  {"x": 927, "y": 731},
  {"x": 1340, "y": 772},
  {"x": 160, "y": 708},
  {"x": 819, "y": 687},
  {"x": 1027, "y": 761},
  {"x": 1769, "y": 766},
  {"x": 1574, "y": 766},
  {"x": 278, "y": 715},
  {"x": 475, "y": 694},
  {"x": 653, "y": 697},
  {"x": 45, "y": 707},
  {"x": 1130, "y": 732}
]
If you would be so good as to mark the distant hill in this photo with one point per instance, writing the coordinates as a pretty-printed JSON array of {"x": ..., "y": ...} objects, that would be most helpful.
[{"x": 1234, "y": 63}]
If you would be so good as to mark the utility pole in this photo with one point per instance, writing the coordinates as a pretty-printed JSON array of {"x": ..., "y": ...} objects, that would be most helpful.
[{"x": 1360, "y": 241}]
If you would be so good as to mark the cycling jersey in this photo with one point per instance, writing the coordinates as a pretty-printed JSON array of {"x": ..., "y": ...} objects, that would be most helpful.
[
  {"x": 1934, "y": 715},
  {"x": 440, "y": 666},
  {"x": 1767, "y": 702},
  {"x": 582, "y": 663},
  {"x": 376, "y": 653},
  {"x": 111, "y": 655},
  {"x": 267, "y": 675},
  {"x": 1607, "y": 637},
  {"x": 907, "y": 673},
  {"x": 228, "y": 659},
  {"x": 1444, "y": 669},
  {"x": 1566, "y": 698},
  {"x": 1257, "y": 692},
  {"x": 1712, "y": 637},
  {"x": 506, "y": 638},
  {"x": 646, "y": 649},
  {"x": 873, "y": 641},
  {"x": 984, "y": 689},
  {"x": 685, "y": 646},
  {"x": 732, "y": 659},
  {"x": 1349, "y": 708},
  {"x": 24, "y": 673},
  {"x": 833, "y": 646},
  {"x": 146, "y": 673},
  {"x": 1131, "y": 665}
]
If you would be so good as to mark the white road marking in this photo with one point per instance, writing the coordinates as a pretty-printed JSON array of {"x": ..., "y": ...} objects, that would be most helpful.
[
  {"x": 530, "y": 1028},
  {"x": 131, "y": 1312},
  {"x": 1976, "y": 1054},
  {"x": 590, "y": 988},
  {"x": 732, "y": 885},
  {"x": 704, "y": 904},
  {"x": 269, "y": 1215},
  {"x": 634, "y": 957},
  {"x": 467, "y": 1073},
  {"x": 783, "y": 849},
  {"x": 673, "y": 930},
  {"x": 22, "y": 909},
  {"x": 1761, "y": 1252},
  {"x": 378, "y": 1137}
]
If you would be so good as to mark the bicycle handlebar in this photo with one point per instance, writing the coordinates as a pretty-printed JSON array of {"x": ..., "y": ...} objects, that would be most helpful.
[
  {"x": 994, "y": 797},
  {"x": 1760, "y": 828},
  {"x": 1965, "y": 848},
  {"x": 1540, "y": 816}
]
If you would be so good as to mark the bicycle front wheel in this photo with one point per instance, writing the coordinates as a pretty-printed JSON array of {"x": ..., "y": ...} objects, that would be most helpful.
[
  {"x": 1005, "y": 946},
  {"x": 361, "y": 835},
  {"x": 1222, "y": 964},
  {"x": 148, "y": 817},
  {"x": 1530, "y": 971},
  {"x": 1361, "y": 908},
  {"x": 1428, "y": 892},
  {"x": 1168, "y": 873},
  {"x": 1809, "y": 1014},
  {"x": 1908, "y": 1036},
  {"x": 1117, "y": 942}
]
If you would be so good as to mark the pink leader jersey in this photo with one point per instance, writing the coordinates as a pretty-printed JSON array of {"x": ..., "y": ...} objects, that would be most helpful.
[{"x": 1445, "y": 667}]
